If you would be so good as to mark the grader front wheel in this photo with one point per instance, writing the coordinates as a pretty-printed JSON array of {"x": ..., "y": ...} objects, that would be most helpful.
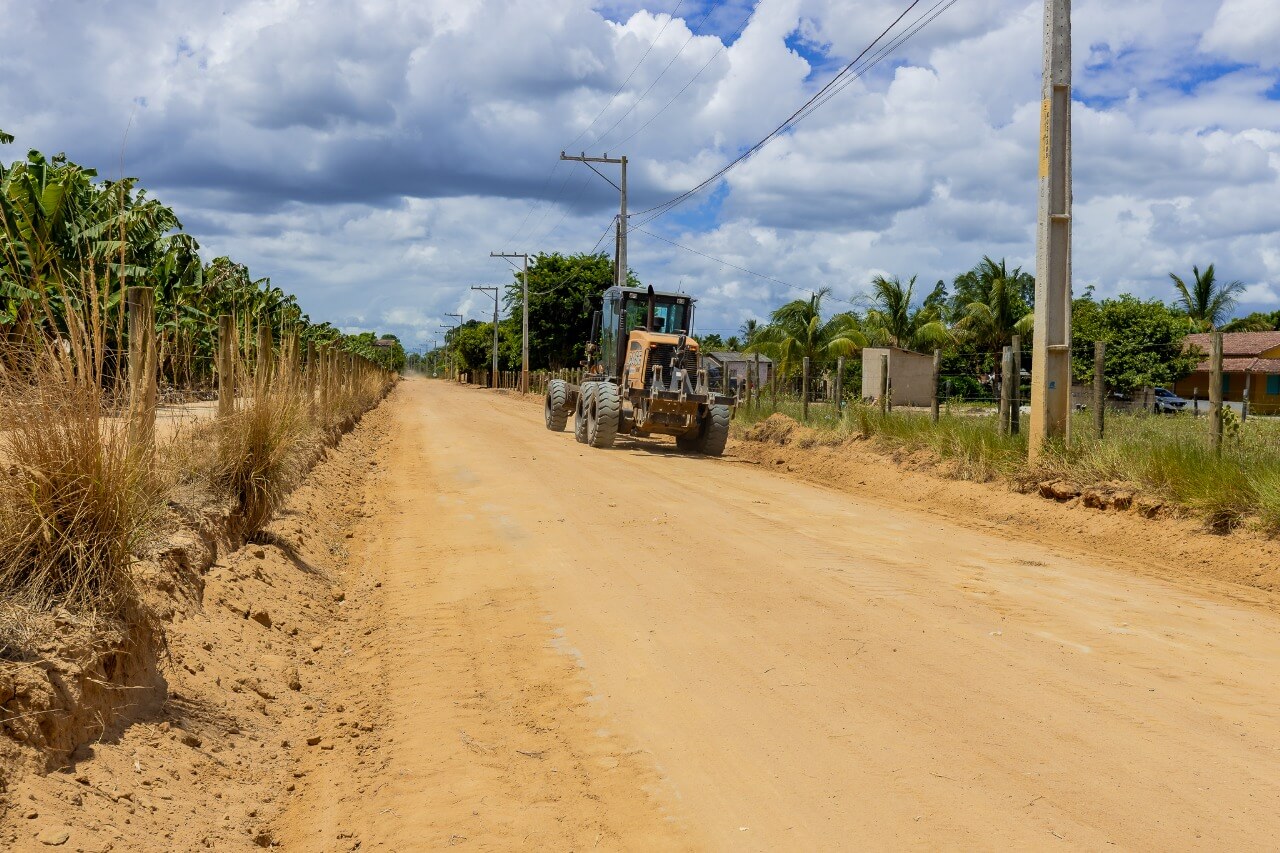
[
  {"x": 555, "y": 412},
  {"x": 603, "y": 415}
]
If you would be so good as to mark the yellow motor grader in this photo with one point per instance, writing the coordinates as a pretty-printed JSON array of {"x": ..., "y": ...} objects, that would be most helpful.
[{"x": 644, "y": 376}]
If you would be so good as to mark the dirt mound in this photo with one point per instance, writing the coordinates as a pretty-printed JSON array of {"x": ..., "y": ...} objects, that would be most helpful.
[{"x": 779, "y": 429}]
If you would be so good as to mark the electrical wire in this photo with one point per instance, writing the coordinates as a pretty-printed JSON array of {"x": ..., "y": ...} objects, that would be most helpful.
[
  {"x": 807, "y": 290},
  {"x": 841, "y": 79}
]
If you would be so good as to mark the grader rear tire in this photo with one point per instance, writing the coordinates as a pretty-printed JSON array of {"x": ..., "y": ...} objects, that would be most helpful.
[
  {"x": 580, "y": 415},
  {"x": 603, "y": 415},
  {"x": 554, "y": 410},
  {"x": 715, "y": 431}
]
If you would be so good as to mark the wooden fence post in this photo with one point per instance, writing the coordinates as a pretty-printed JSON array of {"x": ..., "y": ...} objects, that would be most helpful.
[
  {"x": 804, "y": 390},
  {"x": 1244, "y": 408},
  {"x": 263, "y": 366},
  {"x": 226, "y": 365},
  {"x": 141, "y": 304},
  {"x": 1099, "y": 389},
  {"x": 310, "y": 375},
  {"x": 840, "y": 386},
  {"x": 934, "y": 408},
  {"x": 1215, "y": 392},
  {"x": 1015, "y": 387},
  {"x": 1006, "y": 388},
  {"x": 289, "y": 353},
  {"x": 884, "y": 384}
]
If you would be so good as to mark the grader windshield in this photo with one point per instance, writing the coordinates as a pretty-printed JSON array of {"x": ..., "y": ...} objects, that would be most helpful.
[{"x": 625, "y": 310}]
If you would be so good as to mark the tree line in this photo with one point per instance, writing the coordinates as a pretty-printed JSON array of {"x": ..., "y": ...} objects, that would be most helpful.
[
  {"x": 969, "y": 319},
  {"x": 70, "y": 244}
]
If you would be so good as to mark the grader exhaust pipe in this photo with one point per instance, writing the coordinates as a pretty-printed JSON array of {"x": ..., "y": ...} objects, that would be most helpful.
[{"x": 648, "y": 319}]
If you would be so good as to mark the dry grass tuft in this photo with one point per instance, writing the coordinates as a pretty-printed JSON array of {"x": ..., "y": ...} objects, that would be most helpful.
[{"x": 77, "y": 501}]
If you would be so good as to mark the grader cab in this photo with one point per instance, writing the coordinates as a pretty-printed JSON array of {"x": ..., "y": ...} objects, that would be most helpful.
[{"x": 644, "y": 376}]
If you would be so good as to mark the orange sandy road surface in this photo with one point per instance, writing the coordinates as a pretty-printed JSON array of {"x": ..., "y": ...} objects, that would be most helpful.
[{"x": 637, "y": 649}]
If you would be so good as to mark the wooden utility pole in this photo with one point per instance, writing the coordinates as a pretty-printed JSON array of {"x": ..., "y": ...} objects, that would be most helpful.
[
  {"x": 1215, "y": 392},
  {"x": 1099, "y": 389},
  {"x": 141, "y": 305},
  {"x": 226, "y": 365},
  {"x": 620, "y": 263},
  {"x": 494, "y": 292},
  {"x": 937, "y": 375},
  {"x": 804, "y": 390},
  {"x": 1051, "y": 351},
  {"x": 524, "y": 322}
]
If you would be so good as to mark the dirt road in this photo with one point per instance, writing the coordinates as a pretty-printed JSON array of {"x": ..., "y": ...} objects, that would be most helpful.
[{"x": 574, "y": 648}]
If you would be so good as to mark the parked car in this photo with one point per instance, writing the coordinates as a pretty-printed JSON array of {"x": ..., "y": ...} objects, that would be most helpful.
[{"x": 1167, "y": 402}]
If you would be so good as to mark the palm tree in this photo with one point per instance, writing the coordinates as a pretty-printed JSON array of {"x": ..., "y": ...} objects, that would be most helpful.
[
  {"x": 894, "y": 321},
  {"x": 991, "y": 304},
  {"x": 1207, "y": 302},
  {"x": 747, "y": 331},
  {"x": 796, "y": 331}
]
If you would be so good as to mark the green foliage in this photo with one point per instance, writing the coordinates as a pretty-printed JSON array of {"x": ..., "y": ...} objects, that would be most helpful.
[
  {"x": 992, "y": 304},
  {"x": 1143, "y": 337},
  {"x": 366, "y": 344},
  {"x": 1255, "y": 322},
  {"x": 894, "y": 321},
  {"x": 70, "y": 243},
  {"x": 1206, "y": 301},
  {"x": 712, "y": 342},
  {"x": 797, "y": 331}
]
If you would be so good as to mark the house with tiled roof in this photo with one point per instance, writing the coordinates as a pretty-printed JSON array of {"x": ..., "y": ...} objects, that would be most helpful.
[{"x": 1250, "y": 365}]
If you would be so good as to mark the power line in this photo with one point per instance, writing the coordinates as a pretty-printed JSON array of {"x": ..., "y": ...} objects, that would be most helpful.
[
  {"x": 742, "y": 26},
  {"x": 807, "y": 290},
  {"x": 805, "y": 109},
  {"x": 661, "y": 74},
  {"x": 584, "y": 131}
]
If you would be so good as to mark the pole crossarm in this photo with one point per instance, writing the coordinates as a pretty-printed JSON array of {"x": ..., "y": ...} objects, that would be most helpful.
[{"x": 620, "y": 258}]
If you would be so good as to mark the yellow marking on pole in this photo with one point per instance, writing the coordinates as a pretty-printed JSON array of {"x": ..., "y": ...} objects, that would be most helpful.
[{"x": 1046, "y": 106}]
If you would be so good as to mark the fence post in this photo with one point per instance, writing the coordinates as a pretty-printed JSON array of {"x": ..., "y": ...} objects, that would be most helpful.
[
  {"x": 804, "y": 390},
  {"x": 226, "y": 365},
  {"x": 1244, "y": 408},
  {"x": 310, "y": 374},
  {"x": 289, "y": 350},
  {"x": 840, "y": 386},
  {"x": 937, "y": 374},
  {"x": 1215, "y": 392},
  {"x": 141, "y": 302},
  {"x": 1099, "y": 389},
  {"x": 1015, "y": 387},
  {"x": 884, "y": 384},
  {"x": 262, "y": 367},
  {"x": 1006, "y": 388}
]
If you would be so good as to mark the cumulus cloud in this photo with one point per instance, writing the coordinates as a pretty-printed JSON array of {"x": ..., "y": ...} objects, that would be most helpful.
[{"x": 368, "y": 156}]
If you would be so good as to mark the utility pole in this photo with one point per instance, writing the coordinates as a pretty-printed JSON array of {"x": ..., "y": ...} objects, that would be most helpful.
[
  {"x": 524, "y": 323},
  {"x": 620, "y": 273},
  {"x": 494, "y": 291},
  {"x": 448, "y": 367},
  {"x": 1051, "y": 352}
]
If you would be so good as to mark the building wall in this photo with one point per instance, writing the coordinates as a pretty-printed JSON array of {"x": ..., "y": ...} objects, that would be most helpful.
[
  {"x": 1260, "y": 401},
  {"x": 911, "y": 375}
]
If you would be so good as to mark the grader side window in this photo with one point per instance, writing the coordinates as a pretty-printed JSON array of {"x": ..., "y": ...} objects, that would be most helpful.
[{"x": 668, "y": 317}]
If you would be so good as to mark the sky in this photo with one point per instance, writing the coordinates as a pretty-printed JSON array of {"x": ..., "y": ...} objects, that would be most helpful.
[{"x": 369, "y": 156}]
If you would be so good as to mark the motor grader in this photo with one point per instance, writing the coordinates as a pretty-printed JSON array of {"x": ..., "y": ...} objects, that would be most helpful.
[{"x": 643, "y": 375}]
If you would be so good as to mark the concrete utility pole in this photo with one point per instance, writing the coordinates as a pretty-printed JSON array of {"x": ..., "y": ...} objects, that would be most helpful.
[
  {"x": 494, "y": 291},
  {"x": 1051, "y": 352},
  {"x": 524, "y": 323},
  {"x": 620, "y": 271}
]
